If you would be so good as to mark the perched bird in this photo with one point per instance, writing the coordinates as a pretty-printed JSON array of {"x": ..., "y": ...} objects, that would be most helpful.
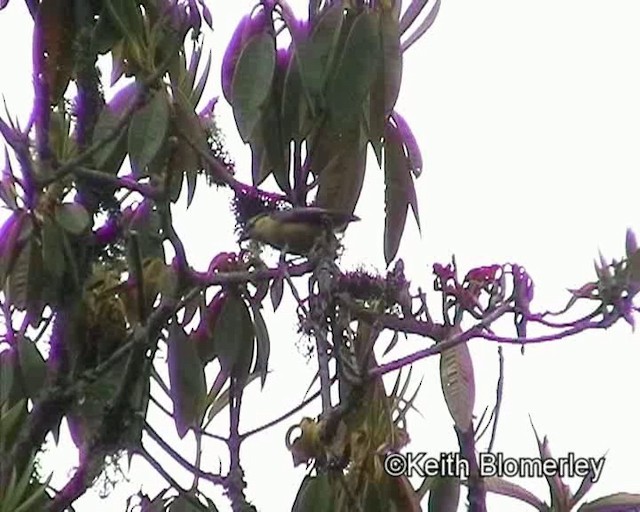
[{"x": 296, "y": 230}]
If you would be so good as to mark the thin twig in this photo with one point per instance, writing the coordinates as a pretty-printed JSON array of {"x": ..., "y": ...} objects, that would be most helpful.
[
  {"x": 213, "y": 478},
  {"x": 499, "y": 389}
]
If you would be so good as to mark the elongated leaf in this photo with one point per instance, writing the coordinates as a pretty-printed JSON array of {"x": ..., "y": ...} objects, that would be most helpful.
[
  {"x": 126, "y": 15},
  {"x": 263, "y": 345},
  {"x": 148, "y": 132},
  {"x": 186, "y": 378},
  {"x": 7, "y": 372},
  {"x": 315, "y": 495},
  {"x": 222, "y": 400},
  {"x": 386, "y": 86},
  {"x": 233, "y": 338},
  {"x": 399, "y": 191},
  {"x": 355, "y": 71},
  {"x": 423, "y": 27},
  {"x": 316, "y": 55},
  {"x": 113, "y": 147},
  {"x": 251, "y": 82},
  {"x": 411, "y": 145},
  {"x": 73, "y": 217},
  {"x": 33, "y": 368},
  {"x": 458, "y": 384},
  {"x": 294, "y": 109},
  {"x": 275, "y": 292}
]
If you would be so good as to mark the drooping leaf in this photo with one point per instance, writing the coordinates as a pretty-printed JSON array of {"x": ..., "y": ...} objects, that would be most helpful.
[
  {"x": 458, "y": 384},
  {"x": 399, "y": 191},
  {"x": 251, "y": 82},
  {"x": 109, "y": 157},
  {"x": 263, "y": 345},
  {"x": 13, "y": 233},
  {"x": 7, "y": 372},
  {"x": 126, "y": 15},
  {"x": 411, "y": 145},
  {"x": 221, "y": 400},
  {"x": 203, "y": 335},
  {"x": 196, "y": 94},
  {"x": 72, "y": 217},
  {"x": 8, "y": 194},
  {"x": 105, "y": 33},
  {"x": 184, "y": 158},
  {"x": 33, "y": 368},
  {"x": 444, "y": 495},
  {"x": 423, "y": 27},
  {"x": 24, "y": 283},
  {"x": 294, "y": 109},
  {"x": 316, "y": 55},
  {"x": 233, "y": 338},
  {"x": 386, "y": 85},
  {"x": 340, "y": 162},
  {"x": 275, "y": 150},
  {"x": 315, "y": 495},
  {"x": 275, "y": 292},
  {"x": 148, "y": 132},
  {"x": 186, "y": 379},
  {"x": 349, "y": 85}
]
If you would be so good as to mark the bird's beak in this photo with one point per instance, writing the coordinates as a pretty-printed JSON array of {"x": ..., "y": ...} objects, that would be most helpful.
[{"x": 244, "y": 236}]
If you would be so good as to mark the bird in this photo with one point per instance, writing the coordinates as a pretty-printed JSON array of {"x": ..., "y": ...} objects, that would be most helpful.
[{"x": 296, "y": 230}]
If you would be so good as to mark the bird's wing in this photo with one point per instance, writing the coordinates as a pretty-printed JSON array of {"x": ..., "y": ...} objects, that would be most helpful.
[{"x": 314, "y": 215}]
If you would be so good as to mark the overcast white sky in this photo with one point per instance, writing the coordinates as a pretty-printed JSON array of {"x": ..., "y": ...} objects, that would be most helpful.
[{"x": 528, "y": 117}]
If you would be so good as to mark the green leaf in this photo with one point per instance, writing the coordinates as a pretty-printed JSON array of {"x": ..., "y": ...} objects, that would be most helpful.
[
  {"x": 8, "y": 193},
  {"x": 7, "y": 371},
  {"x": 189, "y": 503},
  {"x": 294, "y": 108},
  {"x": 458, "y": 384},
  {"x": 16, "y": 229},
  {"x": 105, "y": 33},
  {"x": 73, "y": 217},
  {"x": 275, "y": 292},
  {"x": 222, "y": 400},
  {"x": 109, "y": 157},
  {"x": 354, "y": 74},
  {"x": 33, "y": 368},
  {"x": 340, "y": 160},
  {"x": 126, "y": 15},
  {"x": 315, "y": 56},
  {"x": 263, "y": 345},
  {"x": 148, "y": 132},
  {"x": 444, "y": 495},
  {"x": 399, "y": 191},
  {"x": 386, "y": 86},
  {"x": 315, "y": 495},
  {"x": 252, "y": 82},
  {"x": 276, "y": 150},
  {"x": 186, "y": 379},
  {"x": 11, "y": 422},
  {"x": 24, "y": 285},
  {"x": 53, "y": 250},
  {"x": 233, "y": 338}
]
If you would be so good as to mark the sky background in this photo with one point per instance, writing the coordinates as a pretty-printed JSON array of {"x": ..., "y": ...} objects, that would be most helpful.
[{"x": 529, "y": 119}]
